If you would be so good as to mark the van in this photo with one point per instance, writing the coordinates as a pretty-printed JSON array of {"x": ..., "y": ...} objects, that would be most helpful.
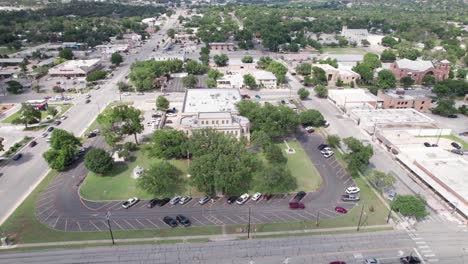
[{"x": 296, "y": 205}]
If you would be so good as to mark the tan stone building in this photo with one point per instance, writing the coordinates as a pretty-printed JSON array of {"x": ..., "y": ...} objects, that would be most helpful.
[{"x": 334, "y": 74}]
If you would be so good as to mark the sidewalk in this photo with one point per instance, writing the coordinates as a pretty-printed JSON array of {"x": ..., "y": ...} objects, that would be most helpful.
[{"x": 184, "y": 238}]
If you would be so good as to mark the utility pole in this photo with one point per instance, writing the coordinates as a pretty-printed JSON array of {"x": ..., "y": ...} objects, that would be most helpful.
[
  {"x": 248, "y": 226},
  {"x": 110, "y": 228},
  {"x": 318, "y": 218},
  {"x": 389, "y": 213},
  {"x": 360, "y": 217}
]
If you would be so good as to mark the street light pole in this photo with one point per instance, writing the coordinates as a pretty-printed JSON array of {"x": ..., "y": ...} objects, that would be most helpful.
[
  {"x": 389, "y": 213},
  {"x": 248, "y": 226},
  {"x": 360, "y": 217},
  {"x": 318, "y": 218},
  {"x": 110, "y": 228}
]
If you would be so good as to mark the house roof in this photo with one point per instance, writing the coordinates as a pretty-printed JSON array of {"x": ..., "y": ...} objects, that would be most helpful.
[
  {"x": 263, "y": 75},
  {"x": 418, "y": 65},
  {"x": 74, "y": 67},
  {"x": 11, "y": 60}
]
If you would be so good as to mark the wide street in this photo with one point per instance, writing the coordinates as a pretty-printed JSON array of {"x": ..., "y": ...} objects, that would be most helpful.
[{"x": 388, "y": 246}]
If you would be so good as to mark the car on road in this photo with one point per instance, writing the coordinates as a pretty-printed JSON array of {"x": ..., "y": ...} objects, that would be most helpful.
[
  {"x": 204, "y": 199},
  {"x": 296, "y": 205},
  {"x": 371, "y": 261},
  {"x": 87, "y": 101},
  {"x": 309, "y": 129},
  {"x": 44, "y": 135},
  {"x": 325, "y": 123},
  {"x": 47, "y": 97},
  {"x": 63, "y": 117},
  {"x": 427, "y": 144},
  {"x": 96, "y": 131},
  {"x": 126, "y": 94},
  {"x": 175, "y": 200},
  {"x": 170, "y": 221},
  {"x": 350, "y": 197},
  {"x": 185, "y": 200},
  {"x": 456, "y": 145},
  {"x": 152, "y": 203},
  {"x": 246, "y": 96},
  {"x": 452, "y": 116},
  {"x": 57, "y": 123},
  {"x": 257, "y": 96},
  {"x": 130, "y": 202},
  {"x": 391, "y": 195},
  {"x": 164, "y": 201},
  {"x": 91, "y": 135},
  {"x": 457, "y": 151},
  {"x": 82, "y": 150},
  {"x": 256, "y": 196},
  {"x": 17, "y": 157},
  {"x": 341, "y": 210},
  {"x": 410, "y": 260},
  {"x": 463, "y": 133},
  {"x": 50, "y": 129},
  {"x": 232, "y": 199},
  {"x": 171, "y": 114},
  {"x": 32, "y": 144},
  {"x": 242, "y": 199},
  {"x": 326, "y": 150},
  {"x": 328, "y": 154},
  {"x": 87, "y": 96},
  {"x": 322, "y": 146},
  {"x": 299, "y": 196},
  {"x": 352, "y": 190},
  {"x": 183, "y": 220}
]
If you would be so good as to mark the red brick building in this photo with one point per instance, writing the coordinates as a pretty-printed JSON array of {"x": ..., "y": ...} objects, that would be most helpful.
[
  {"x": 420, "y": 68},
  {"x": 221, "y": 46},
  {"x": 397, "y": 99}
]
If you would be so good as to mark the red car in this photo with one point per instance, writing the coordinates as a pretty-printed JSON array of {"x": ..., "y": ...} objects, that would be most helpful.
[
  {"x": 341, "y": 210},
  {"x": 246, "y": 96},
  {"x": 296, "y": 205},
  {"x": 337, "y": 262}
]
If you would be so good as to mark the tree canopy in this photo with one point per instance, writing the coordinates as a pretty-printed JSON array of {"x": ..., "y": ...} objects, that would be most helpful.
[
  {"x": 386, "y": 79},
  {"x": 64, "y": 149},
  {"x": 98, "y": 161},
  {"x": 143, "y": 73},
  {"x": 116, "y": 59},
  {"x": 28, "y": 114},
  {"x": 410, "y": 205},
  {"x": 161, "y": 179},
  {"x": 169, "y": 144},
  {"x": 311, "y": 117},
  {"x": 120, "y": 120},
  {"x": 162, "y": 103}
]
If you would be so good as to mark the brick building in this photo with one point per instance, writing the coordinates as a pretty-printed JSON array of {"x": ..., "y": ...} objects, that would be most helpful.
[
  {"x": 420, "y": 68},
  {"x": 397, "y": 99}
]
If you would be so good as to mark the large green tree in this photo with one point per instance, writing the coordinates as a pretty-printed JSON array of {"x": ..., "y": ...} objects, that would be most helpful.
[
  {"x": 98, "y": 161},
  {"x": 319, "y": 75},
  {"x": 358, "y": 157},
  {"x": 169, "y": 144},
  {"x": 304, "y": 69},
  {"x": 221, "y": 60},
  {"x": 445, "y": 107},
  {"x": 66, "y": 54},
  {"x": 303, "y": 93},
  {"x": 120, "y": 120},
  {"x": 279, "y": 70},
  {"x": 321, "y": 91},
  {"x": 388, "y": 56},
  {"x": 162, "y": 103},
  {"x": 274, "y": 179},
  {"x": 64, "y": 149},
  {"x": 274, "y": 154},
  {"x": 116, "y": 59},
  {"x": 161, "y": 179},
  {"x": 249, "y": 81},
  {"x": 311, "y": 117},
  {"x": 28, "y": 114},
  {"x": 389, "y": 41},
  {"x": 386, "y": 79},
  {"x": 380, "y": 179},
  {"x": 190, "y": 81},
  {"x": 193, "y": 67},
  {"x": 410, "y": 205},
  {"x": 14, "y": 87}
]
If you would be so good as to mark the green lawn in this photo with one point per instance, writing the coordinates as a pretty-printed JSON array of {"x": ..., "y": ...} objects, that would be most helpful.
[
  {"x": 119, "y": 185},
  {"x": 308, "y": 178},
  {"x": 44, "y": 114}
]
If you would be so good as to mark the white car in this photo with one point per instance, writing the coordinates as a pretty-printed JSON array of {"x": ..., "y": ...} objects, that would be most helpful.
[
  {"x": 96, "y": 131},
  {"x": 175, "y": 200},
  {"x": 170, "y": 114},
  {"x": 126, "y": 94},
  {"x": 63, "y": 117},
  {"x": 242, "y": 199},
  {"x": 328, "y": 154},
  {"x": 256, "y": 196},
  {"x": 130, "y": 202},
  {"x": 371, "y": 261},
  {"x": 325, "y": 150},
  {"x": 351, "y": 190}
]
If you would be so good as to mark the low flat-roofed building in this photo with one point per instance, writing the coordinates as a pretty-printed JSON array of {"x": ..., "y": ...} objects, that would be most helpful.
[
  {"x": 112, "y": 48},
  {"x": 264, "y": 79},
  {"x": 168, "y": 56},
  {"x": 354, "y": 98},
  {"x": 354, "y": 35},
  {"x": 11, "y": 61},
  {"x": 216, "y": 109},
  {"x": 334, "y": 74},
  {"x": 222, "y": 46},
  {"x": 397, "y": 99},
  {"x": 75, "y": 68},
  {"x": 350, "y": 60}
]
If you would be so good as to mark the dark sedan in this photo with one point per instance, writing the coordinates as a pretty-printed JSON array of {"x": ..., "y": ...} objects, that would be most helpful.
[
  {"x": 183, "y": 220},
  {"x": 153, "y": 202},
  {"x": 164, "y": 201},
  {"x": 170, "y": 221},
  {"x": 232, "y": 199},
  {"x": 299, "y": 196}
]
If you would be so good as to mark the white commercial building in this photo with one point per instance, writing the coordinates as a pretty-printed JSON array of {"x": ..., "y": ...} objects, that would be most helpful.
[
  {"x": 347, "y": 99},
  {"x": 112, "y": 48},
  {"x": 75, "y": 68},
  {"x": 263, "y": 79}
]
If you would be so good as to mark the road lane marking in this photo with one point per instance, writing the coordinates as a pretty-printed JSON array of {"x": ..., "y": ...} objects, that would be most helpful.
[
  {"x": 421, "y": 247},
  {"x": 426, "y": 251},
  {"x": 432, "y": 260},
  {"x": 129, "y": 224},
  {"x": 421, "y": 242},
  {"x": 79, "y": 226},
  {"x": 416, "y": 238},
  {"x": 66, "y": 223},
  {"x": 429, "y": 255}
]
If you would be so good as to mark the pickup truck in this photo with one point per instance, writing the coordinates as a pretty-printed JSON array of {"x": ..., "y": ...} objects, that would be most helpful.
[{"x": 350, "y": 197}]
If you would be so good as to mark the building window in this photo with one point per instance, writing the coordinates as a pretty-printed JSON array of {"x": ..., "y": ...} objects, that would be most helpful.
[
  {"x": 212, "y": 122},
  {"x": 202, "y": 122},
  {"x": 216, "y": 121},
  {"x": 222, "y": 122}
]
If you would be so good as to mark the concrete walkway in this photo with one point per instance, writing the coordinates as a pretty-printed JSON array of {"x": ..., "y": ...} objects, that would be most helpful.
[{"x": 184, "y": 238}]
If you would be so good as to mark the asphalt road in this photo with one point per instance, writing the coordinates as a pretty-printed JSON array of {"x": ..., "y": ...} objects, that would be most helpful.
[
  {"x": 60, "y": 206},
  {"x": 352, "y": 248}
]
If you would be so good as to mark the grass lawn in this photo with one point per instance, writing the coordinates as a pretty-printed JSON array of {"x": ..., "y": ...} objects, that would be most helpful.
[
  {"x": 308, "y": 178},
  {"x": 344, "y": 51},
  {"x": 119, "y": 185},
  {"x": 44, "y": 114}
]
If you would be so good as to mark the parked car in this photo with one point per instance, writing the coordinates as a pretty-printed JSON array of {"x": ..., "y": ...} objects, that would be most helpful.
[
  {"x": 410, "y": 260},
  {"x": 427, "y": 144},
  {"x": 185, "y": 199},
  {"x": 328, "y": 154},
  {"x": 164, "y": 201},
  {"x": 322, "y": 146},
  {"x": 17, "y": 157},
  {"x": 256, "y": 196},
  {"x": 257, "y": 96},
  {"x": 152, "y": 203},
  {"x": 183, "y": 220},
  {"x": 44, "y": 135},
  {"x": 204, "y": 199},
  {"x": 63, "y": 117},
  {"x": 325, "y": 123},
  {"x": 96, "y": 131},
  {"x": 456, "y": 145},
  {"x": 299, "y": 196},
  {"x": 170, "y": 114},
  {"x": 170, "y": 221},
  {"x": 309, "y": 129},
  {"x": 91, "y": 135},
  {"x": 341, "y": 210},
  {"x": 457, "y": 151},
  {"x": 175, "y": 200},
  {"x": 32, "y": 144},
  {"x": 57, "y": 123},
  {"x": 87, "y": 101},
  {"x": 82, "y": 150},
  {"x": 371, "y": 261},
  {"x": 391, "y": 195},
  {"x": 296, "y": 205},
  {"x": 350, "y": 197},
  {"x": 246, "y": 96},
  {"x": 337, "y": 262},
  {"x": 242, "y": 199},
  {"x": 232, "y": 199},
  {"x": 352, "y": 190},
  {"x": 50, "y": 129},
  {"x": 130, "y": 202},
  {"x": 452, "y": 116},
  {"x": 326, "y": 150}
]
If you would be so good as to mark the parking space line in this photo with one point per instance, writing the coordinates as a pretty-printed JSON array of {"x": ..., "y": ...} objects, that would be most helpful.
[
  {"x": 78, "y": 224},
  {"x": 210, "y": 220},
  {"x": 295, "y": 219},
  {"x": 323, "y": 213},
  {"x": 94, "y": 225},
  {"x": 282, "y": 219},
  {"x": 256, "y": 220},
  {"x": 47, "y": 209},
  {"x": 347, "y": 180},
  {"x": 188, "y": 203},
  {"x": 66, "y": 223},
  {"x": 117, "y": 224},
  {"x": 110, "y": 208},
  {"x": 43, "y": 198},
  {"x": 140, "y": 223},
  {"x": 262, "y": 216},
  {"x": 38, "y": 206},
  {"x": 311, "y": 214},
  {"x": 230, "y": 219},
  {"x": 45, "y": 220},
  {"x": 129, "y": 224},
  {"x": 152, "y": 223},
  {"x": 143, "y": 205},
  {"x": 56, "y": 221},
  {"x": 197, "y": 220}
]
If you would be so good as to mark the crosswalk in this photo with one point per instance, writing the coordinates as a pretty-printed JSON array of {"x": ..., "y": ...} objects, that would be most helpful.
[
  {"x": 439, "y": 218},
  {"x": 426, "y": 251}
]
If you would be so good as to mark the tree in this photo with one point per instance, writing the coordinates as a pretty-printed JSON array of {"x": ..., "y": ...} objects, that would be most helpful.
[
  {"x": 330, "y": 61},
  {"x": 190, "y": 81},
  {"x": 321, "y": 91},
  {"x": 386, "y": 79},
  {"x": 389, "y": 41},
  {"x": 170, "y": 33},
  {"x": 66, "y": 54},
  {"x": 116, "y": 59},
  {"x": 215, "y": 74},
  {"x": 461, "y": 73},
  {"x": 36, "y": 88},
  {"x": 247, "y": 59},
  {"x": 193, "y": 67},
  {"x": 249, "y": 81},
  {"x": 64, "y": 149},
  {"x": 14, "y": 87},
  {"x": 320, "y": 77},
  {"x": 429, "y": 44},
  {"x": 169, "y": 144},
  {"x": 264, "y": 62},
  {"x": 365, "y": 42},
  {"x": 221, "y": 60},
  {"x": 372, "y": 60},
  {"x": 380, "y": 179},
  {"x": 211, "y": 83},
  {"x": 52, "y": 111},
  {"x": 61, "y": 138},
  {"x": 279, "y": 70},
  {"x": 120, "y": 120},
  {"x": 123, "y": 87},
  {"x": 28, "y": 114},
  {"x": 410, "y": 205},
  {"x": 445, "y": 107},
  {"x": 358, "y": 158},
  {"x": 429, "y": 80},
  {"x": 406, "y": 81},
  {"x": 96, "y": 75},
  {"x": 260, "y": 138},
  {"x": 388, "y": 56},
  {"x": 274, "y": 179},
  {"x": 274, "y": 154},
  {"x": 333, "y": 141},
  {"x": 303, "y": 93},
  {"x": 339, "y": 83},
  {"x": 57, "y": 89},
  {"x": 162, "y": 179},
  {"x": 411, "y": 54},
  {"x": 162, "y": 103},
  {"x": 311, "y": 117},
  {"x": 366, "y": 72},
  {"x": 98, "y": 161},
  {"x": 304, "y": 69}
]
